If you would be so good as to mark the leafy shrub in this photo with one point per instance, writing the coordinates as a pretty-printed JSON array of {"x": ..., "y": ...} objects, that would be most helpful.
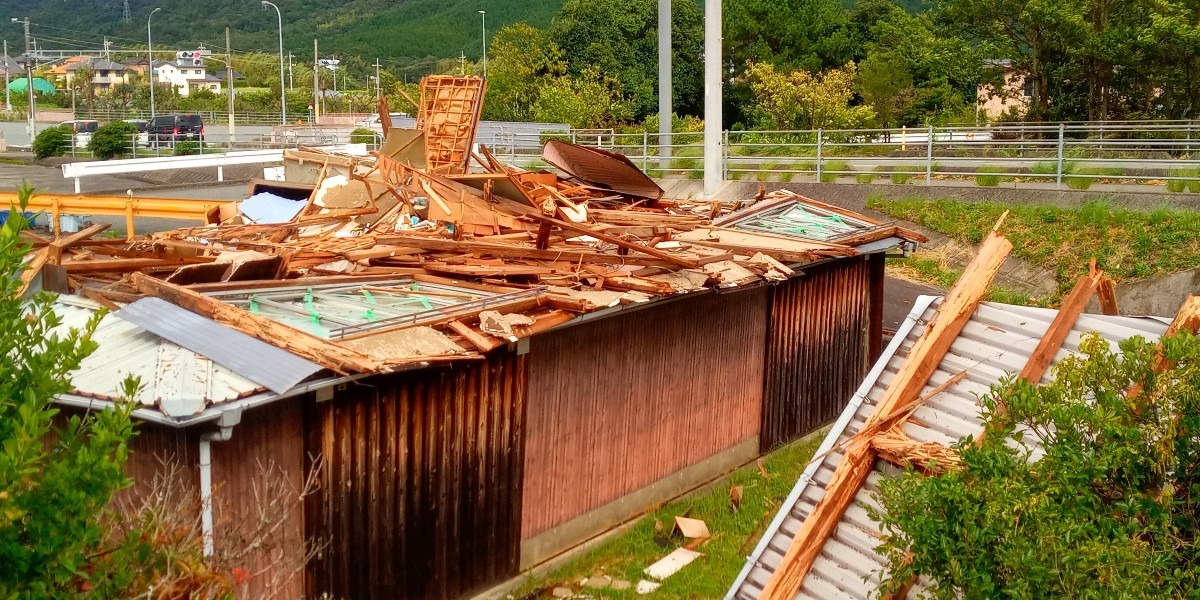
[
  {"x": 1083, "y": 178},
  {"x": 186, "y": 148},
  {"x": 113, "y": 140},
  {"x": 865, "y": 178},
  {"x": 988, "y": 180},
  {"x": 901, "y": 178},
  {"x": 52, "y": 141},
  {"x": 362, "y": 135}
]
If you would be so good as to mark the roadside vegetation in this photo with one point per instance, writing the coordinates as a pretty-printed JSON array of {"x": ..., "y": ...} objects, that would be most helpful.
[
  {"x": 1128, "y": 244},
  {"x": 735, "y": 526}
]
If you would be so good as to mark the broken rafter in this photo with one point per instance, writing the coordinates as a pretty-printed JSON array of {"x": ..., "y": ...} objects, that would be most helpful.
[
  {"x": 57, "y": 246},
  {"x": 1072, "y": 307},
  {"x": 1187, "y": 319},
  {"x": 927, "y": 353},
  {"x": 338, "y": 359}
]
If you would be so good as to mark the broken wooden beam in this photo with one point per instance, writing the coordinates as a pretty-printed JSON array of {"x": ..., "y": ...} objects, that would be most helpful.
[
  {"x": 1108, "y": 297},
  {"x": 58, "y": 245},
  {"x": 31, "y": 269},
  {"x": 1072, "y": 307},
  {"x": 927, "y": 353},
  {"x": 338, "y": 359}
]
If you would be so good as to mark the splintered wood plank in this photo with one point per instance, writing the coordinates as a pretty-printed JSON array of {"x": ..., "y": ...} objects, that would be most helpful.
[
  {"x": 1187, "y": 319},
  {"x": 32, "y": 267},
  {"x": 338, "y": 359},
  {"x": 1108, "y": 297},
  {"x": 57, "y": 246},
  {"x": 1060, "y": 328},
  {"x": 927, "y": 353}
]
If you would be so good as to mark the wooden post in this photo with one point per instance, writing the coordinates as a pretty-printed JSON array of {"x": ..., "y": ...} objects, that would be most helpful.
[{"x": 129, "y": 219}]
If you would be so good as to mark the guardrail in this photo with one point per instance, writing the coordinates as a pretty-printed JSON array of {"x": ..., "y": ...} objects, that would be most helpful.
[
  {"x": 128, "y": 206},
  {"x": 79, "y": 170},
  {"x": 1049, "y": 156}
]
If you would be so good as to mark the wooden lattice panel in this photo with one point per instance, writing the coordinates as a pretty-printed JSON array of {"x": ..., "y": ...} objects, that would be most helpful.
[{"x": 449, "y": 116}]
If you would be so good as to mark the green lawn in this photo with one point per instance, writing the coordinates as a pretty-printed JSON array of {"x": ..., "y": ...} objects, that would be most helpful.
[
  {"x": 1128, "y": 244},
  {"x": 734, "y": 534}
]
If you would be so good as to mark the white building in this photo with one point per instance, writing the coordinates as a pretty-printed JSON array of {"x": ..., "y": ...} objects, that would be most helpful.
[{"x": 186, "y": 76}]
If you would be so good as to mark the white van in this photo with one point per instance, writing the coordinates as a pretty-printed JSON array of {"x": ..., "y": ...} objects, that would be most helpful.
[{"x": 82, "y": 132}]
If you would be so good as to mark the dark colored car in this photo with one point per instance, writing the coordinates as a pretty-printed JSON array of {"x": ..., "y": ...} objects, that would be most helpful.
[{"x": 168, "y": 129}]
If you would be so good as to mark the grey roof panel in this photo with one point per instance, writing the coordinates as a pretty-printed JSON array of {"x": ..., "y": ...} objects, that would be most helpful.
[
  {"x": 257, "y": 361},
  {"x": 996, "y": 342}
]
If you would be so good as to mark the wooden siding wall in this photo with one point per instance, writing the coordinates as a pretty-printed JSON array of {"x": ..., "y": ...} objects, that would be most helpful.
[
  {"x": 268, "y": 443},
  {"x": 420, "y": 492},
  {"x": 619, "y": 403},
  {"x": 817, "y": 349}
]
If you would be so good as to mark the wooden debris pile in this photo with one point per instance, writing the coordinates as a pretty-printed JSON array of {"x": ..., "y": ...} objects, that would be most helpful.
[{"x": 597, "y": 235}]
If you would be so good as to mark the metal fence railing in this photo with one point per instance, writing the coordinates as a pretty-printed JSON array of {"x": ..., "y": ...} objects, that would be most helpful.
[
  {"x": 146, "y": 145},
  {"x": 1072, "y": 155}
]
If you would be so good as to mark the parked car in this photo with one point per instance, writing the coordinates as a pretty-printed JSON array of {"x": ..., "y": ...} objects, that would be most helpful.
[
  {"x": 372, "y": 121},
  {"x": 81, "y": 132},
  {"x": 143, "y": 127},
  {"x": 166, "y": 130}
]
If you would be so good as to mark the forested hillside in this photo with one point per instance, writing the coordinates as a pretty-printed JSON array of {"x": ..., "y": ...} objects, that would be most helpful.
[{"x": 397, "y": 32}]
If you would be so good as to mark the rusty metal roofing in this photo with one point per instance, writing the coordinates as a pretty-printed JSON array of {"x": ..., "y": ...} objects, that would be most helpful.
[
  {"x": 601, "y": 168},
  {"x": 997, "y": 341},
  {"x": 258, "y": 361},
  {"x": 174, "y": 380}
]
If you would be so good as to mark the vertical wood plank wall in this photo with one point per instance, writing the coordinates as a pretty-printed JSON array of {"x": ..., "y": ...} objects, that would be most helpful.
[
  {"x": 624, "y": 401},
  {"x": 817, "y": 348},
  {"x": 420, "y": 494}
]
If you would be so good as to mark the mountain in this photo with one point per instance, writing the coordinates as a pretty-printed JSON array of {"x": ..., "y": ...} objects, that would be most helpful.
[{"x": 394, "y": 31}]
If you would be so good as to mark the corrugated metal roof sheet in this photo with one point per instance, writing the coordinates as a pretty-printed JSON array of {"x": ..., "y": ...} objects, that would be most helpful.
[
  {"x": 997, "y": 341},
  {"x": 253, "y": 359},
  {"x": 187, "y": 381}
]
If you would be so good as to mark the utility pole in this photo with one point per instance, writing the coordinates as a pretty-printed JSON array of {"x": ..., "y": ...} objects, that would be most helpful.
[
  {"x": 291, "y": 74},
  {"x": 462, "y": 63},
  {"x": 229, "y": 78},
  {"x": 712, "y": 97},
  {"x": 377, "y": 83},
  {"x": 105, "y": 51},
  {"x": 665, "y": 109},
  {"x": 316, "y": 83},
  {"x": 29, "y": 82},
  {"x": 7, "y": 98}
]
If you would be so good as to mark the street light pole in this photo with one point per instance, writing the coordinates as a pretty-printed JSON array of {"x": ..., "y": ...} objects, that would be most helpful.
[
  {"x": 282, "y": 90},
  {"x": 483, "y": 13},
  {"x": 7, "y": 98},
  {"x": 29, "y": 83},
  {"x": 150, "y": 51}
]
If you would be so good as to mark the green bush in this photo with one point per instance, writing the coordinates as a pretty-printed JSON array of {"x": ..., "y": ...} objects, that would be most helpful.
[
  {"x": 113, "y": 140},
  {"x": 865, "y": 178},
  {"x": 52, "y": 141},
  {"x": 186, "y": 148},
  {"x": 900, "y": 178},
  {"x": 988, "y": 180},
  {"x": 362, "y": 135}
]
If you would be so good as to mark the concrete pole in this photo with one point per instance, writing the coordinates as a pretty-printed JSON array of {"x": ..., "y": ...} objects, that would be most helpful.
[
  {"x": 229, "y": 78},
  {"x": 7, "y": 95},
  {"x": 316, "y": 84},
  {"x": 29, "y": 86},
  {"x": 712, "y": 97},
  {"x": 665, "y": 108}
]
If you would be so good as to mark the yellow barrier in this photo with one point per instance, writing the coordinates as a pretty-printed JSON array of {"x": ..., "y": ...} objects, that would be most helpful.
[{"x": 77, "y": 204}]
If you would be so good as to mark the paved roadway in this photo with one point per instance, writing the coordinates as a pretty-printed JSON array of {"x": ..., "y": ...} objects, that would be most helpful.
[{"x": 17, "y": 134}]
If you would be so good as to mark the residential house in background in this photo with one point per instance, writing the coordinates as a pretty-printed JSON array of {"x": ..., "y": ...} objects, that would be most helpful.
[
  {"x": 106, "y": 74},
  {"x": 186, "y": 77},
  {"x": 137, "y": 65},
  {"x": 1015, "y": 94}
]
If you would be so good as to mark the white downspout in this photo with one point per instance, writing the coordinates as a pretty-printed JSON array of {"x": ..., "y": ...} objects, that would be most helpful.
[{"x": 226, "y": 423}]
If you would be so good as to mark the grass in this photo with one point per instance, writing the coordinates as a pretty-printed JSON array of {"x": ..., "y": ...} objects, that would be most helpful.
[
  {"x": 864, "y": 178},
  {"x": 836, "y": 166},
  {"x": 734, "y": 534},
  {"x": 922, "y": 267},
  {"x": 1128, "y": 244},
  {"x": 988, "y": 180},
  {"x": 901, "y": 178},
  {"x": 1083, "y": 178},
  {"x": 1191, "y": 184}
]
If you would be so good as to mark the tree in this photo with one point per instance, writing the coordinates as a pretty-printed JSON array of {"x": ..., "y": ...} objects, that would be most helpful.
[
  {"x": 886, "y": 85},
  {"x": 52, "y": 141},
  {"x": 1034, "y": 34},
  {"x": 1081, "y": 488},
  {"x": 81, "y": 84},
  {"x": 789, "y": 34},
  {"x": 587, "y": 101},
  {"x": 56, "y": 478},
  {"x": 801, "y": 100},
  {"x": 620, "y": 39},
  {"x": 521, "y": 60}
]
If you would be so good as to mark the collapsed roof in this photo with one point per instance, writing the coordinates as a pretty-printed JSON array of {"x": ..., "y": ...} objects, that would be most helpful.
[{"x": 371, "y": 265}]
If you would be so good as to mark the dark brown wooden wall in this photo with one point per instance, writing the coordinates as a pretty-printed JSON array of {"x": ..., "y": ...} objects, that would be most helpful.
[
  {"x": 621, "y": 402},
  {"x": 420, "y": 495},
  {"x": 817, "y": 348}
]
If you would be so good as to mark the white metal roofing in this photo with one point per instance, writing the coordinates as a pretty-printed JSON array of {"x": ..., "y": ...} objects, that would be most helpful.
[
  {"x": 997, "y": 341},
  {"x": 176, "y": 381}
]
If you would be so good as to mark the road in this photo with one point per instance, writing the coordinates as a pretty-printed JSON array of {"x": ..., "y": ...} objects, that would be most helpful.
[{"x": 17, "y": 134}]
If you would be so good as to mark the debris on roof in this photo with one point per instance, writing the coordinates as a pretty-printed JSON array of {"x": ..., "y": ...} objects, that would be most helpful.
[{"x": 430, "y": 251}]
